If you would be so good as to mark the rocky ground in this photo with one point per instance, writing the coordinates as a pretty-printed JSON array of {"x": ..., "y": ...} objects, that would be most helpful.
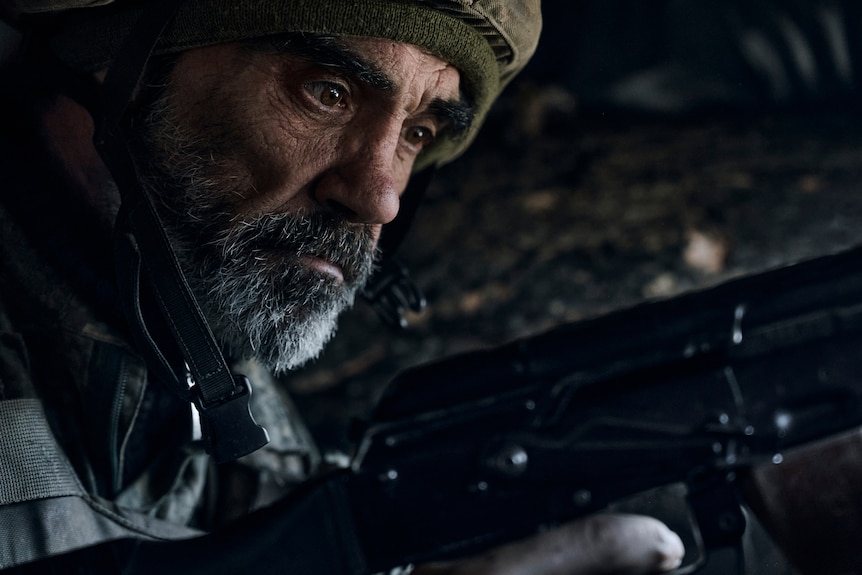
[{"x": 557, "y": 214}]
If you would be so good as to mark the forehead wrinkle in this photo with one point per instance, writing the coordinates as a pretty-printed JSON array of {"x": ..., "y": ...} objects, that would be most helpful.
[
  {"x": 333, "y": 52},
  {"x": 454, "y": 115},
  {"x": 355, "y": 65},
  {"x": 328, "y": 52}
]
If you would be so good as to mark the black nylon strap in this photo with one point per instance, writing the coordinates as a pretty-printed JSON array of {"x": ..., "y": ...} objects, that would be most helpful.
[
  {"x": 181, "y": 312},
  {"x": 128, "y": 67},
  {"x": 221, "y": 399},
  {"x": 127, "y": 258}
]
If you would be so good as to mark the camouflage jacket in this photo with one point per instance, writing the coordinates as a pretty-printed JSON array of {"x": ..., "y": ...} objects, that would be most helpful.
[{"x": 90, "y": 448}]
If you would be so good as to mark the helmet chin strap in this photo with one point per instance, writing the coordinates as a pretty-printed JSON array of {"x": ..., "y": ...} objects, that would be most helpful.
[{"x": 148, "y": 271}]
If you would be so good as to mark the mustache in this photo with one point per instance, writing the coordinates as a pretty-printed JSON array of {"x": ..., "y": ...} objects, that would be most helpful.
[{"x": 352, "y": 247}]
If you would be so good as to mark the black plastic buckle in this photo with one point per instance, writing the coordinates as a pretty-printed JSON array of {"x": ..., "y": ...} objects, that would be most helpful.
[
  {"x": 392, "y": 292},
  {"x": 228, "y": 426}
]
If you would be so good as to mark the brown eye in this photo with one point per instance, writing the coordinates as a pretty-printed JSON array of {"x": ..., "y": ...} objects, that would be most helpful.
[
  {"x": 329, "y": 94},
  {"x": 418, "y": 136}
]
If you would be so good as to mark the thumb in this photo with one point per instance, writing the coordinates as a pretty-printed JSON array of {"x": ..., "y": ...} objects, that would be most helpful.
[{"x": 601, "y": 544}]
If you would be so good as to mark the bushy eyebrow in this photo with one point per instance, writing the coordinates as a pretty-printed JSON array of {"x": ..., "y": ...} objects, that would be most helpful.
[
  {"x": 326, "y": 51},
  {"x": 455, "y": 116}
]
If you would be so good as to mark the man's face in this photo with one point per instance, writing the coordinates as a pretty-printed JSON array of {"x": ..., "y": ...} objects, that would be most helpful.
[{"x": 277, "y": 165}]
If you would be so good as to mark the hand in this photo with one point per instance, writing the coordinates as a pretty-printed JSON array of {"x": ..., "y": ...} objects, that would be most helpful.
[{"x": 609, "y": 543}]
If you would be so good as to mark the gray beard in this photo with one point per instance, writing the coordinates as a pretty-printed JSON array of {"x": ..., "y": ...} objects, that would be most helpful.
[{"x": 258, "y": 298}]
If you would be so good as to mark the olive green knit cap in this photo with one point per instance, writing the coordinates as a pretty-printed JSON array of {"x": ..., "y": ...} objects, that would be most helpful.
[{"x": 488, "y": 41}]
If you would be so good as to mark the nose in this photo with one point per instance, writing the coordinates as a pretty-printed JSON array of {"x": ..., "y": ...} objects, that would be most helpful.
[{"x": 365, "y": 181}]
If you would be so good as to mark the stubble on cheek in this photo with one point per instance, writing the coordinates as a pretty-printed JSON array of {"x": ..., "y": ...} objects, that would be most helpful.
[
  {"x": 216, "y": 124},
  {"x": 269, "y": 154}
]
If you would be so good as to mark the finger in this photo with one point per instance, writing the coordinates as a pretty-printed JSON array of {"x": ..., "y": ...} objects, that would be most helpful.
[{"x": 602, "y": 544}]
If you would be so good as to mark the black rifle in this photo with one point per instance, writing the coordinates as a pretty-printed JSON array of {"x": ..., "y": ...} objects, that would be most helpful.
[{"x": 489, "y": 446}]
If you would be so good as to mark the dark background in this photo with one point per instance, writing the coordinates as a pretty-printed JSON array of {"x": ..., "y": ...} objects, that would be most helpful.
[{"x": 650, "y": 148}]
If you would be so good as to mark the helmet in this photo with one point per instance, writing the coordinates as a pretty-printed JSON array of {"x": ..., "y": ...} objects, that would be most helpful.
[{"x": 488, "y": 41}]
